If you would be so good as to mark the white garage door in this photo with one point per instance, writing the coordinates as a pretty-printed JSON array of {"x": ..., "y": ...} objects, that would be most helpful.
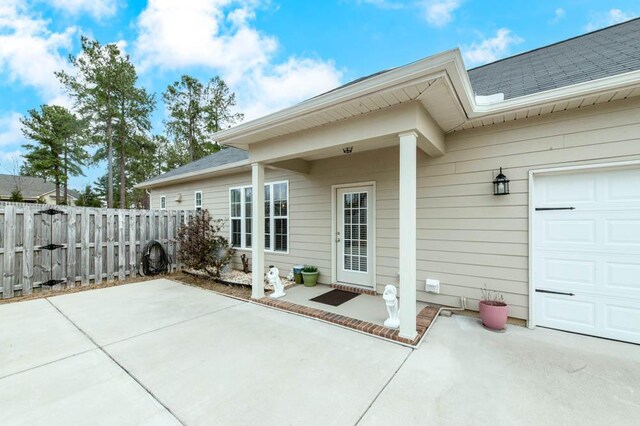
[{"x": 587, "y": 252}]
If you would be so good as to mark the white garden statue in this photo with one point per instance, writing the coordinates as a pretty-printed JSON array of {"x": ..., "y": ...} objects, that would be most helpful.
[
  {"x": 274, "y": 279},
  {"x": 391, "y": 300}
]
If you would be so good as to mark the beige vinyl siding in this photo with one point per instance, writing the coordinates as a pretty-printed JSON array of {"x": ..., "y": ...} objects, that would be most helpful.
[{"x": 467, "y": 237}]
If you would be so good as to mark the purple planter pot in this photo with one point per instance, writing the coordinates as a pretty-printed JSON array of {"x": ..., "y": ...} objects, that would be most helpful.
[{"x": 494, "y": 315}]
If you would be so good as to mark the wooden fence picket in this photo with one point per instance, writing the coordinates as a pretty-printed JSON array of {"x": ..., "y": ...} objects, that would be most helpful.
[
  {"x": 88, "y": 238},
  {"x": 9, "y": 251},
  {"x": 27, "y": 250}
]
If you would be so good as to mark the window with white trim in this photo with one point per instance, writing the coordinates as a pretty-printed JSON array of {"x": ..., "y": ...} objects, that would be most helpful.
[
  {"x": 276, "y": 201},
  {"x": 163, "y": 202},
  {"x": 198, "y": 200}
]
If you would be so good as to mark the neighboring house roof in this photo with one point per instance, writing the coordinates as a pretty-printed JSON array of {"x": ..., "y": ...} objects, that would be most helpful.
[
  {"x": 610, "y": 51},
  {"x": 225, "y": 156},
  {"x": 30, "y": 187}
]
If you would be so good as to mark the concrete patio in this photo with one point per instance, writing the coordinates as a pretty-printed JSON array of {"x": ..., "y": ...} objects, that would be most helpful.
[{"x": 160, "y": 352}]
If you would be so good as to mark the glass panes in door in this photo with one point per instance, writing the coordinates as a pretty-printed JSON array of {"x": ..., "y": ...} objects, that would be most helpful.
[{"x": 355, "y": 232}]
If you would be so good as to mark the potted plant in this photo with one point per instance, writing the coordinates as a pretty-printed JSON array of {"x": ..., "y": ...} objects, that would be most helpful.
[
  {"x": 310, "y": 276},
  {"x": 493, "y": 310}
]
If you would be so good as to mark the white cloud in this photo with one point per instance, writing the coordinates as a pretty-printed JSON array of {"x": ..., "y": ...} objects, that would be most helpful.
[
  {"x": 440, "y": 12},
  {"x": 558, "y": 15},
  {"x": 491, "y": 49},
  {"x": 612, "y": 17},
  {"x": 219, "y": 35},
  {"x": 29, "y": 51},
  {"x": 11, "y": 139},
  {"x": 269, "y": 89},
  {"x": 10, "y": 129},
  {"x": 96, "y": 8}
]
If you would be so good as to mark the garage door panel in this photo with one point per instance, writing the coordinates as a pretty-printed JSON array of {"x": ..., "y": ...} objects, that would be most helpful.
[
  {"x": 622, "y": 187},
  {"x": 566, "y": 273},
  {"x": 587, "y": 254},
  {"x": 623, "y": 232},
  {"x": 608, "y": 317},
  {"x": 568, "y": 312},
  {"x": 623, "y": 277},
  {"x": 563, "y": 231},
  {"x": 623, "y": 320},
  {"x": 568, "y": 189}
]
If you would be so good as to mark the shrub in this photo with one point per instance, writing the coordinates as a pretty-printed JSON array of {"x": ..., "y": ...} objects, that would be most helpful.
[
  {"x": 310, "y": 269},
  {"x": 202, "y": 246},
  {"x": 491, "y": 297},
  {"x": 16, "y": 195}
]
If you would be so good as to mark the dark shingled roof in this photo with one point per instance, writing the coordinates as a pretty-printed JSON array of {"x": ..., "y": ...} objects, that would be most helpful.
[
  {"x": 226, "y": 155},
  {"x": 607, "y": 52}
]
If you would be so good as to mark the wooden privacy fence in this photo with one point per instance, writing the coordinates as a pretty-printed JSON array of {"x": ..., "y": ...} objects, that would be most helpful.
[{"x": 60, "y": 246}]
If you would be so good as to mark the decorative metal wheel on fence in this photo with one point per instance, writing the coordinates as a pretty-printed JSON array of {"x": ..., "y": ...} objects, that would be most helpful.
[{"x": 58, "y": 246}]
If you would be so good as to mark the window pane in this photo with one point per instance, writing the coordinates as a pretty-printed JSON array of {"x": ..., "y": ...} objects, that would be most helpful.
[
  {"x": 247, "y": 237},
  {"x": 363, "y": 264},
  {"x": 235, "y": 203},
  {"x": 280, "y": 235},
  {"x": 235, "y": 232},
  {"x": 267, "y": 234},
  {"x": 347, "y": 263},
  {"x": 363, "y": 216}
]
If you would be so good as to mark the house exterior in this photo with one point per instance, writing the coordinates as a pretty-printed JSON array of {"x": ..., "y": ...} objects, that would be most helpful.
[
  {"x": 389, "y": 180},
  {"x": 33, "y": 189}
]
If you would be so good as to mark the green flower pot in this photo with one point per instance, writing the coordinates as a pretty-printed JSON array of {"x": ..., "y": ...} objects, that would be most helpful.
[{"x": 310, "y": 279}]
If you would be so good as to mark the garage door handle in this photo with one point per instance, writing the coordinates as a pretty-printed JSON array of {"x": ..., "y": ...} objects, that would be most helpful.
[
  {"x": 541, "y": 209},
  {"x": 554, "y": 292}
]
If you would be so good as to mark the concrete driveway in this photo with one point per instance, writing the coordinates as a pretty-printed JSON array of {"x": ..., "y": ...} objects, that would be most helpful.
[{"x": 160, "y": 352}]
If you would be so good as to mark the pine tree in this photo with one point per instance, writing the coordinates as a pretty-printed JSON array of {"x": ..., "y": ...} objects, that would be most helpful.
[
  {"x": 99, "y": 72},
  {"x": 197, "y": 111},
  {"x": 56, "y": 153},
  {"x": 88, "y": 198}
]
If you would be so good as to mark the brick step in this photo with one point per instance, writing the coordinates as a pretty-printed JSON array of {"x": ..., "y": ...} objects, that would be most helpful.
[{"x": 354, "y": 289}]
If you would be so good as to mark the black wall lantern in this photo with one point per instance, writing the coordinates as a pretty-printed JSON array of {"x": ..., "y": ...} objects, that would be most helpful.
[{"x": 501, "y": 184}]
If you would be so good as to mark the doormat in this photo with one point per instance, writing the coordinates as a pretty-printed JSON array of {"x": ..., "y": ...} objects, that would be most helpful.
[{"x": 335, "y": 297}]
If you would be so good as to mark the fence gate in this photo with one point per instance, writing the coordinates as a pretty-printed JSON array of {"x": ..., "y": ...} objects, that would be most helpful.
[{"x": 60, "y": 246}]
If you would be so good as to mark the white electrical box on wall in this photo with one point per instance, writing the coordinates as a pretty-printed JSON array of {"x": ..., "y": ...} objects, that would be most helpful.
[{"x": 433, "y": 286}]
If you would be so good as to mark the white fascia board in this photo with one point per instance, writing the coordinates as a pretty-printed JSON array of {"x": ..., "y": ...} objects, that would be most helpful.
[
  {"x": 579, "y": 90},
  {"x": 211, "y": 171},
  {"x": 432, "y": 66}
]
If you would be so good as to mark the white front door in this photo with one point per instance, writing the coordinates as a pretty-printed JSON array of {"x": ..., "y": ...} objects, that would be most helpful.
[
  {"x": 587, "y": 252},
  {"x": 353, "y": 235}
]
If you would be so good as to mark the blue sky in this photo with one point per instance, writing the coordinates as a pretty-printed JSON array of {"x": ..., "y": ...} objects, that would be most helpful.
[{"x": 272, "y": 53}]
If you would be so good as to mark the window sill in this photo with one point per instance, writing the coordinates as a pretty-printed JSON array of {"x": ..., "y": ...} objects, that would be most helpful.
[{"x": 249, "y": 250}]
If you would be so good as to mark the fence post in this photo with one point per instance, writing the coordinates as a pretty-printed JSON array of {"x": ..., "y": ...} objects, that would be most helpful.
[
  {"x": 110, "y": 244},
  {"x": 9, "y": 251},
  {"x": 27, "y": 250},
  {"x": 71, "y": 247},
  {"x": 84, "y": 246},
  {"x": 132, "y": 243},
  {"x": 121, "y": 246},
  {"x": 98, "y": 252}
]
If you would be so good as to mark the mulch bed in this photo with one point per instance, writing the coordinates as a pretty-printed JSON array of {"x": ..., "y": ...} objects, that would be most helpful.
[{"x": 235, "y": 290}]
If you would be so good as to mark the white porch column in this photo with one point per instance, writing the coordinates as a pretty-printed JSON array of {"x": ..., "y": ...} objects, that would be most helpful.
[
  {"x": 408, "y": 158},
  {"x": 257, "y": 231}
]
